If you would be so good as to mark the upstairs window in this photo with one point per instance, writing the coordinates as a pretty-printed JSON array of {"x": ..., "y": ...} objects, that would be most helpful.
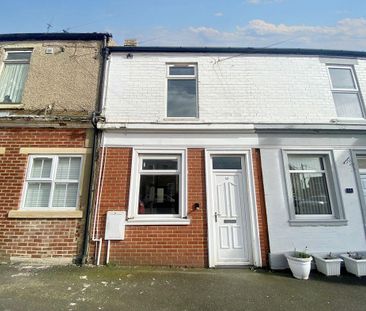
[
  {"x": 345, "y": 91},
  {"x": 182, "y": 91},
  {"x": 52, "y": 182},
  {"x": 13, "y": 76}
]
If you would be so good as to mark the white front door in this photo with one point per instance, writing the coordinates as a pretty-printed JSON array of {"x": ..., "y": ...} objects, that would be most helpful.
[{"x": 229, "y": 211}]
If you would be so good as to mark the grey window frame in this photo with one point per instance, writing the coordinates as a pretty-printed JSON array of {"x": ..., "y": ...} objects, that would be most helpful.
[
  {"x": 338, "y": 215},
  {"x": 181, "y": 77}
]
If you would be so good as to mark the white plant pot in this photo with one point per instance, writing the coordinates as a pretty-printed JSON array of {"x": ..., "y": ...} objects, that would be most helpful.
[
  {"x": 329, "y": 267},
  {"x": 354, "y": 266},
  {"x": 300, "y": 267}
]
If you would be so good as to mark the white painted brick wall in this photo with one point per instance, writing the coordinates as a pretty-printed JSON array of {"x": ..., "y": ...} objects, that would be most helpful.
[
  {"x": 322, "y": 239},
  {"x": 239, "y": 89}
]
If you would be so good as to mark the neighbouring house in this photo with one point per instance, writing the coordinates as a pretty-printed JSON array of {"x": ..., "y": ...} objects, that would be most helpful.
[
  {"x": 230, "y": 156},
  {"x": 49, "y": 88}
]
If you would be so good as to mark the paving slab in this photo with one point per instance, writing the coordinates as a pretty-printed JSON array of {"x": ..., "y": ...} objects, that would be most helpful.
[{"x": 33, "y": 287}]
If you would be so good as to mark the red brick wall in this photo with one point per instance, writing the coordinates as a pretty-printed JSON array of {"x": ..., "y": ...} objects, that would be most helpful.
[
  {"x": 36, "y": 238},
  {"x": 156, "y": 245},
  {"x": 166, "y": 245},
  {"x": 261, "y": 207}
]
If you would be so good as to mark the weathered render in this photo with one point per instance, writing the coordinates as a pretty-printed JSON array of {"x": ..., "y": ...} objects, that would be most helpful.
[{"x": 45, "y": 127}]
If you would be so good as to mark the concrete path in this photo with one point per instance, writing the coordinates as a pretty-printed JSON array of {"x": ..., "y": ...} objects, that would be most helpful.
[{"x": 30, "y": 287}]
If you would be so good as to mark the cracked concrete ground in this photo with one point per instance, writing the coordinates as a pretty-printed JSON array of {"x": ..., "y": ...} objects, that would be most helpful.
[{"x": 30, "y": 287}]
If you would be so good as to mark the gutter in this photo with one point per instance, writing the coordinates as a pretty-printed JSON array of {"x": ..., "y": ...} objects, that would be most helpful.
[
  {"x": 94, "y": 120},
  {"x": 238, "y": 50}
]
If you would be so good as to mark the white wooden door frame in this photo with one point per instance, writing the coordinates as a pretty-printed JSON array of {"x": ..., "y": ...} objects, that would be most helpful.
[{"x": 250, "y": 204}]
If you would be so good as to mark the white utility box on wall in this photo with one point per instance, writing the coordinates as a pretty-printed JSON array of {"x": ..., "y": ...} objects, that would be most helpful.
[{"x": 115, "y": 225}]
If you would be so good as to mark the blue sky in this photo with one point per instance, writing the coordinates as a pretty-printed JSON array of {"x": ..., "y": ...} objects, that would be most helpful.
[{"x": 334, "y": 24}]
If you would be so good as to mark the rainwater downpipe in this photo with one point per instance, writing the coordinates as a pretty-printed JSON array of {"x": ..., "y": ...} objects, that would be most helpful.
[{"x": 95, "y": 147}]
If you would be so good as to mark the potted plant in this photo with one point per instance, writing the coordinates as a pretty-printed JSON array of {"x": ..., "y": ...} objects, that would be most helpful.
[
  {"x": 300, "y": 264},
  {"x": 329, "y": 264},
  {"x": 355, "y": 263}
]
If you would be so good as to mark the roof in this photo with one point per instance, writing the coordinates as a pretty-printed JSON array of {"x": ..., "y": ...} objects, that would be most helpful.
[
  {"x": 237, "y": 50},
  {"x": 91, "y": 36}
]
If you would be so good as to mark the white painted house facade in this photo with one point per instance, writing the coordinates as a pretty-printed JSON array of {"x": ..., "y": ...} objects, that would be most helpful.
[{"x": 300, "y": 113}]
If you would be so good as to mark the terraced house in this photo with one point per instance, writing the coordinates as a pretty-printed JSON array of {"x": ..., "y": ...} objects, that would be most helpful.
[
  {"x": 230, "y": 156},
  {"x": 49, "y": 88}
]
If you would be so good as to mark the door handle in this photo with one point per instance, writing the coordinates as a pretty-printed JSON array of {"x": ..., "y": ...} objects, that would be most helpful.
[{"x": 216, "y": 214}]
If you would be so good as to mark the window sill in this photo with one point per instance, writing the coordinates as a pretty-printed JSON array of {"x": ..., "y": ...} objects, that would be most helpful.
[
  {"x": 320, "y": 222},
  {"x": 180, "y": 119},
  {"x": 158, "y": 222},
  {"x": 348, "y": 120},
  {"x": 44, "y": 214},
  {"x": 11, "y": 106}
]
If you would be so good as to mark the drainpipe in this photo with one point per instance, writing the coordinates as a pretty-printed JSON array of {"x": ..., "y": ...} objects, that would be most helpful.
[{"x": 95, "y": 146}]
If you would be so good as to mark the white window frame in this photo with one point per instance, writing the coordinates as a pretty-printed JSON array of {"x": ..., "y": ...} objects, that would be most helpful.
[
  {"x": 181, "y": 77},
  {"x": 337, "y": 217},
  {"x": 136, "y": 169},
  {"x": 354, "y": 90},
  {"x": 7, "y": 61},
  {"x": 52, "y": 180}
]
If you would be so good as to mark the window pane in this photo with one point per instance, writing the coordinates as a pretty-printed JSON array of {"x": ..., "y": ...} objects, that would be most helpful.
[
  {"x": 342, "y": 78},
  {"x": 181, "y": 71},
  {"x": 163, "y": 164},
  {"x": 347, "y": 105},
  {"x": 310, "y": 193},
  {"x": 182, "y": 98},
  {"x": 68, "y": 168},
  {"x": 38, "y": 195},
  {"x": 41, "y": 168},
  {"x": 159, "y": 194},
  {"x": 21, "y": 56},
  {"x": 12, "y": 80},
  {"x": 65, "y": 195},
  {"x": 305, "y": 163},
  {"x": 361, "y": 163},
  {"x": 229, "y": 163}
]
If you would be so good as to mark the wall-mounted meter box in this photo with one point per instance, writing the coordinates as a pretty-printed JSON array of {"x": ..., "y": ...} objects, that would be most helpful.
[{"x": 115, "y": 225}]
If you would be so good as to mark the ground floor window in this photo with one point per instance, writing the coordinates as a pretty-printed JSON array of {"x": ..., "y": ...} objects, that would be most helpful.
[
  {"x": 312, "y": 186},
  {"x": 52, "y": 182},
  {"x": 158, "y": 185},
  {"x": 309, "y": 184}
]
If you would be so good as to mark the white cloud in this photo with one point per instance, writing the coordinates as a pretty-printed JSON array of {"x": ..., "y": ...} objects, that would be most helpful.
[
  {"x": 219, "y": 14},
  {"x": 348, "y": 34}
]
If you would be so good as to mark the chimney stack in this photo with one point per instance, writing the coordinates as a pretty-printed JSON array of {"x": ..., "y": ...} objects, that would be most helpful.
[{"x": 130, "y": 42}]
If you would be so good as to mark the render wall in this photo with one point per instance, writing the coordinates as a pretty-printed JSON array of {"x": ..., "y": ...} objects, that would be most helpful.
[
  {"x": 231, "y": 88},
  {"x": 64, "y": 82},
  {"x": 37, "y": 236}
]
